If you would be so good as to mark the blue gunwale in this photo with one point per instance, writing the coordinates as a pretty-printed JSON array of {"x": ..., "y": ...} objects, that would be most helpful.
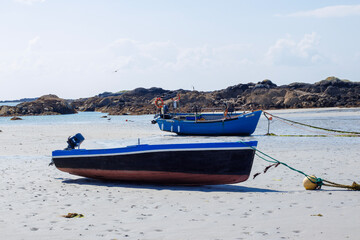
[{"x": 144, "y": 148}]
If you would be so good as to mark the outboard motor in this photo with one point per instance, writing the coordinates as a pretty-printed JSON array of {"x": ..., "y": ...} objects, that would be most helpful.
[{"x": 75, "y": 141}]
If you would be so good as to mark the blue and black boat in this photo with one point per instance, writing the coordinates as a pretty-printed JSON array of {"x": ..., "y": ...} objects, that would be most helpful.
[{"x": 186, "y": 163}]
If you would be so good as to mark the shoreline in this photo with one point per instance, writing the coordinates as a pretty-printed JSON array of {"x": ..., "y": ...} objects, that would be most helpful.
[{"x": 271, "y": 109}]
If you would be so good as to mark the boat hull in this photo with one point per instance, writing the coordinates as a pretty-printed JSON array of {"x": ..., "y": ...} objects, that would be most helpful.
[
  {"x": 243, "y": 125},
  {"x": 186, "y": 164}
]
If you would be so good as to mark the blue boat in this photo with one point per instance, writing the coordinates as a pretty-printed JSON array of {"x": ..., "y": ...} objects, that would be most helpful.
[
  {"x": 209, "y": 123},
  {"x": 186, "y": 164}
]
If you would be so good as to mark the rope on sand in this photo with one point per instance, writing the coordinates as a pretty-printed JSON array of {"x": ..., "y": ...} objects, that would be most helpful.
[
  {"x": 316, "y": 135},
  {"x": 348, "y": 134},
  {"x": 309, "y": 182}
]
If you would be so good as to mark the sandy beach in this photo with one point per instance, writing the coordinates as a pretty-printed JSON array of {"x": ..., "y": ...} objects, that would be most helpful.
[{"x": 34, "y": 196}]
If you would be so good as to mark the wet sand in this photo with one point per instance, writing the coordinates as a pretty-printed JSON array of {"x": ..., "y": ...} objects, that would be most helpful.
[{"x": 34, "y": 196}]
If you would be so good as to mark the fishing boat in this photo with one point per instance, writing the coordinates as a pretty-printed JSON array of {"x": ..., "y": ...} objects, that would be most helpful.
[
  {"x": 226, "y": 123},
  {"x": 183, "y": 163},
  {"x": 218, "y": 124}
]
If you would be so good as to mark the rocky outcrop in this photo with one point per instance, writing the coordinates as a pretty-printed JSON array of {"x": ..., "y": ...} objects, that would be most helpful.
[
  {"x": 45, "y": 105},
  {"x": 8, "y": 111},
  {"x": 137, "y": 101},
  {"x": 331, "y": 92}
]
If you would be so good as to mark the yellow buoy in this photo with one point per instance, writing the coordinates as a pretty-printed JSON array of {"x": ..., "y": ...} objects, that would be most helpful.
[{"x": 310, "y": 185}]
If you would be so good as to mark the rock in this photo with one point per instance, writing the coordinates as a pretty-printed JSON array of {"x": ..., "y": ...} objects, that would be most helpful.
[
  {"x": 332, "y": 91},
  {"x": 16, "y": 118},
  {"x": 298, "y": 85},
  {"x": 5, "y": 110},
  {"x": 265, "y": 84},
  {"x": 292, "y": 98},
  {"x": 333, "y": 81},
  {"x": 45, "y": 105}
]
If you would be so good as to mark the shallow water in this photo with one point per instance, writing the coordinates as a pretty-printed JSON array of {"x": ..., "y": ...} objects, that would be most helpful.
[
  {"x": 78, "y": 118},
  {"x": 347, "y": 119},
  {"x": 9, "y": 103}
]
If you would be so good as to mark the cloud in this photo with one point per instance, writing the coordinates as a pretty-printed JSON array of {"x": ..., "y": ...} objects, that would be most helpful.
[
  {"x": 126, "y": 64},
  {"x": 327, "y": 12},
  {"x": 29, "y": 2},
  {"x": 33, "y": 43},
  {"x": 287, "y": 51},
  {"x": 28, "y": 60},
  {"x": 130, "y": 54},
  {"x": 136, "y": 55}
]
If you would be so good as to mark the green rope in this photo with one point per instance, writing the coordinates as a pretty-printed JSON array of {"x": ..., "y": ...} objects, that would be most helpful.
[
  {"x": 317, "y": 135},
  {"x": 311, "y": 126},
  {"x": 317, "y": 181}
]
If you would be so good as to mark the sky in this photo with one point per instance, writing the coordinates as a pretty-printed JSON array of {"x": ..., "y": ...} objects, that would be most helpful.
[{"x": 81, "y": 48}]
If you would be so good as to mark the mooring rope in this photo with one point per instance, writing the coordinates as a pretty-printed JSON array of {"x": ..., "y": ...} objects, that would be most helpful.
[
  {"x": 311, "y": 126},
  {"x": 316, "y": 133},
  {"x": 318, "y": 181}
]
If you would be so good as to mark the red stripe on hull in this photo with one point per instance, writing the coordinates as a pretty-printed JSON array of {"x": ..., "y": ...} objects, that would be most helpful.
[{"x": 158, "y": 177}]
